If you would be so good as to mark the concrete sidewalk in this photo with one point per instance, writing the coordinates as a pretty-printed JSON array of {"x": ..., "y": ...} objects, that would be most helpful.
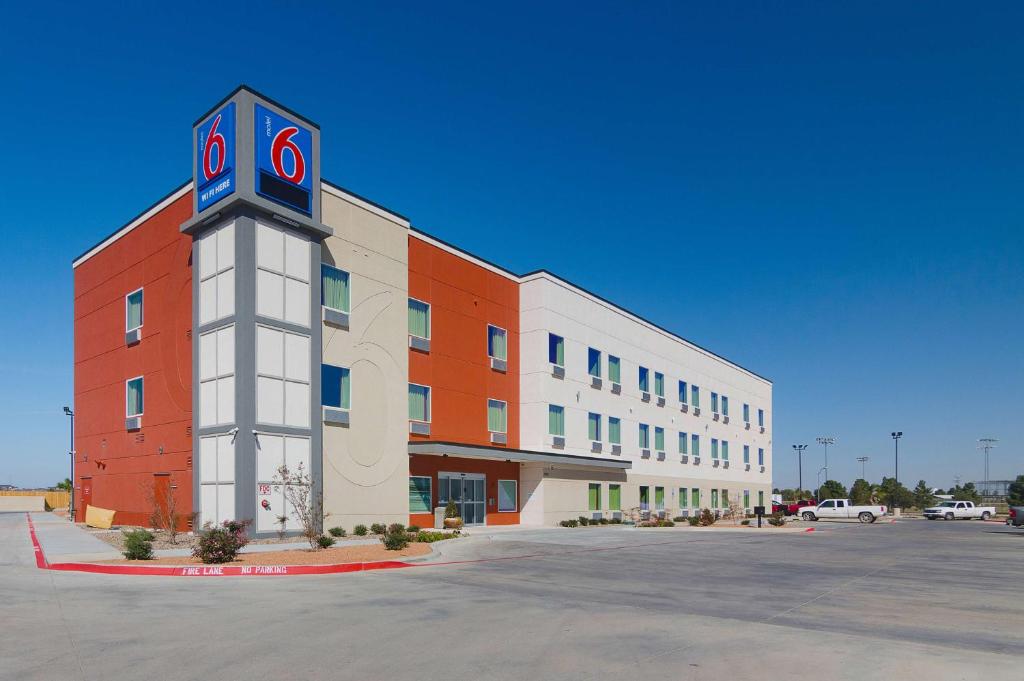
[{"x": 65, "y": 542}]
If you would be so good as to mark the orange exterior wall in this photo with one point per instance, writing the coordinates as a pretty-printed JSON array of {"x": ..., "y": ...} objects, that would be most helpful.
[
  {"x": 121, "y": 464},
  {"x": 494, "y": 470},
  {"x": 464, "y": 298}
]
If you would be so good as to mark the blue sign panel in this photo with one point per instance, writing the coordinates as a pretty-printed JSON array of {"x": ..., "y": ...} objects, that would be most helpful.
[
  {"x": 215, "y": 158},
  {"x": 284, "y": 160}
]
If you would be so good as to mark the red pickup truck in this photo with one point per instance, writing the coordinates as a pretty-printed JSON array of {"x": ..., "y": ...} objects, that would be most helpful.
[{"x": 793, "y": 508}]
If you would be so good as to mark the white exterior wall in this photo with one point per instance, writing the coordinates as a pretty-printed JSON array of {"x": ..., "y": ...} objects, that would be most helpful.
[{"x": 551, "y": 305}]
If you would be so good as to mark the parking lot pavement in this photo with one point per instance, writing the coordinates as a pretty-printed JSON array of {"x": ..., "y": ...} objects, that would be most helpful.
[{"x": 941, "y": 600}]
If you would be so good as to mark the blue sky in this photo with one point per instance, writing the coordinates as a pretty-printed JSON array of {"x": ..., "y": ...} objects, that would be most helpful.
[{"x": 828, "y": 193}]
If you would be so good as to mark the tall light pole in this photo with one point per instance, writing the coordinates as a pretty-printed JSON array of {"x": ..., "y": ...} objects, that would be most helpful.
[
  {"x": 863, "y": 460},
  {"x": 71, "y": 451},
  {"x": 825, "y": 442},
  {"x": 896, "y": 435},
  {"x": 799, "y": 449},
  {"x": 987, "y": 444}
]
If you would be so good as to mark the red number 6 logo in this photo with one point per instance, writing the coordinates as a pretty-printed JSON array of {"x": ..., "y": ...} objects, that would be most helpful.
[
  {"x": 215, "y": 140},
  {"x": 282, "y": 141}
]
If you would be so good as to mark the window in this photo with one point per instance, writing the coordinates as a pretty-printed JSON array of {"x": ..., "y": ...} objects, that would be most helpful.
[
  {"x": 508, "y": 496},
  {"x": 556, "y": 350},
  {"x": 496, "y": 416},
  {"x": 760, "y": 417},
  {"x": 746, "y": 453},
  {"x": 682, "y": 392},
  {"x": 725, "y": 405},
  {"x": 695, "y": 444},
  {"x": 594, "y": 496},
  {"x": 614, "y": 430},
  {"x": 272, "y": 452},
  {"x": 336, "y": 390},
  {"x": 614, "y": 369},
  {"x": 614, "y": 497},
  {"x": 644, "y": 384},
  {"x": 714, "y": 448},
  {"x": 714, "y": 403},
  {"x": 683, "y": 499},
  {"x": 334, "y": 291},
  {"x": 725, "y": 450},
  {"x": 419, "y": 494},
  {"x": 645, "y": 498},
  {"x": 133, "y": 397},
  {"x": 133, "y": 311},
  {"x": 594, "y": 362},
  {"x": 725, "y": 498},
  {"x": 217, "y": 478},
  {"x": 746, "y": 413},
  {"x": 594, "y": 427},
  {"x": 419, "y": 318},
  {"x": 695, "y": 396},
  {"x": 746, "y": 498},
  {"x": 645, "y": 436},
  {"x": 760, "y": 498},
  {"x": 282, "y": 377},
  {"x": 760, "y": 456},
  {"x": 556, "y": 420},
  {"x": 216, "y": 250},
  {"x": 695, "y": 497},
  {"x": 282, "y": 274},
  {"x": 683, "y": 449},
  {"x": 419, "y": 402},
  {"x": 217, "y": 376},
  {"x": 659, "y": 498},
  {"x": 659, "y": 438},
  {"x": 659, "y": 384},
  {"x": 714, "y": 498},
  {"x": 497, "y": 346}
]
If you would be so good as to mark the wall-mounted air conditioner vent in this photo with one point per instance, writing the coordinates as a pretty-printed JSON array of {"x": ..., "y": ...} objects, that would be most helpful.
[
  {"x": 132, "y": 337},
  {"x": 596, "y": 382},
  {"x": 696, "y": 411},
  {"x": 746, "y": 467},
  {"x": 716, "y": 416},
  {"x": 725, "y": 464},
  {"x": 725, "y": 419},
  {"x": 336, "y": 317},
  {"x": 645, "y": 453},
  {"x": 421, "y": 344},
  {"x": 557, "y": 371},
  {"x": 419, "y": 427},
  {"x": 133, "y": 423},
  {"x": 645, "y": 397},
  {"x": 661, "y": 401},
  {"x": 616, "y": 449},
  {"x": 595, "y": 447},
  {"x": 661, "y": 456},
  {"x": 499, "y": 438},
  {"x": 617, "y": 388},
  {"x": 336, "y": 416},
  {"x": 684, "y": 407},
  {"x": 746, "y": 426},
  {"x": 715, "y": 463},
  {"x": 684, "y": 459},
  {"x": 558, "y": 441},
  {"x": 499, "y": 364}
]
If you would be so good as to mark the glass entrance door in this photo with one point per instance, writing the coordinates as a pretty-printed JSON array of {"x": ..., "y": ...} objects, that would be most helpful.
[{"x": 468, "y": 491}]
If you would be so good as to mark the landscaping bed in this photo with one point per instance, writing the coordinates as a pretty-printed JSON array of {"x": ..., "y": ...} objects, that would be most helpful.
[
  {"x": 115, "y": 537},
  {"x": 345, "y": 554}
]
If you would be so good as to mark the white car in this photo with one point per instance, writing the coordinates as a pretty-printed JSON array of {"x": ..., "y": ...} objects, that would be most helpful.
[
  {"x": 959, "y": 510},
  {"x": 842, "y": 508}
]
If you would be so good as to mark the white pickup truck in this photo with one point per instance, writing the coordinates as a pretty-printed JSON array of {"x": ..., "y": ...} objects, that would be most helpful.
[
  {"x": 959, "y": 510},
  {"x": 842, "y": 508}
]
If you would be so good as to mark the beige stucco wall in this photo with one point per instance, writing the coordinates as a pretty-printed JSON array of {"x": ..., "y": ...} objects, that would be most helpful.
[{"x": 366, "y": 464}]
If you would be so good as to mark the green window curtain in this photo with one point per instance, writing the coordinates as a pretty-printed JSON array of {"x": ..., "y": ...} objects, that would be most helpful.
[
  {"x": 714, "y": 402},
  {"x": 496, "y": 416},
  {"x": 614, "y": 431},
  {"x": 682, "y": 497},
  {"x": 645, "y": 437},
  {"x": 714, "y": 498},
  {"x": 659, "y": 439},
  {"x": 659, "y": 384},
  {"x": 725, "y": 450},
  {"x": 134, "y": 397},
  {"x": 714, "y": 448},
  {"x": 746, "y": 413},
  {"x": 760, "y": 456},
  {"x": 746, "y": 498},
  {"x": 419, "y": 403},
  {"x": 556, "y": 420},
  {"x": 507, "y": 495},
  {"x": 695, "y": 396},
  {"x": 334, "y": 288},
  {"x": 419, "y": 494},
  {"x": 645, "y": 498},
  {"x": 594, "y": 427},
  {"x": 614, "y": 498},
  {"x": 725, "y": 498},
  {"x": 746, "y": 453},
  {"x": 695, "y": 497},
  {"x": 760, "y": 418},
  {"x": 496, "y": 343},
  {"x": 725, "y": 405},
  {"x": 346, "y": 389},
  {"x": 614, "y": 370},
  {"x": 695, "y": 441},
  {"x": 659, "y": 498},
  {"x": 419, "y": 319},
  {"x": 760, "y": 498},
  {"x": 134, "y": 311},
  {"x": 682, "y": 443},
  {"x": 594, "y": 496}
]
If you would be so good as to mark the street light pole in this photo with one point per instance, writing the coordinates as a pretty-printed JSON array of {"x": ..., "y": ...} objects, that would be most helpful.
[
  {"x": 826, "y": 441},
  {"x": 799, "y": 449},
  {"x": 71, "y": 452},
  {"x": 896, "y": 435},
  {"x": 863, "y": 460}
]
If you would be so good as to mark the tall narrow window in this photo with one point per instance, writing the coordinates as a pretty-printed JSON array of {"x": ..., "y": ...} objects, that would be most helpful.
[
  {"x": 714, "y": 448},
  {"x": 419, "y": 494},
  {"x": 714, "y": 403},
  {"x": 644, "y": 380},
  {"x": 695, "y": 497},
  {"x": 614, "y": 369},
  {"x": 594, "y": 496},
  {"x": 760, "y": 497},
  {"x": 714, "y": 498},
  {"x": 614, "y": 430},
  {"x": 695, "y": 444},
  {"x": 594, "y": 362},
  {"x": 683, "y": 448},
  {"x": 645, "y": 498},
  {"x": 725, "y": 450},
  {"x": 556, "y": 350},
  {"x": 508, "y": 496},
  {"x": 133, "y": 397},
  {"x": 419, "y": 402},
  {"x": 496, "y": 343},
  {"x": 725, "y": 498},
  {"x": 419, "y": 318},
  {"x": 695, "y": 396},
  {"x": 335, "y": 387},
  {"x": 556, "y": 420},
  {"x": 760, "y": 456},
  {"x": 746, "y": 413},
  {"x": 760, "y": 417},
  {"x": 614, "y": 497},
  {"x": 659, "y": 384},
  {"x": 746, "y": 498},
  {"x": 746, "y": 453},
  {"x": 217, "y": 376},
  {"x": 594, "y": 427},
  {"x": 659, "y": 438},
  {"x": 334, "y": 291},
  {"x": 659, "y": 498},
  {"x": 682, "y": 392},
  {"x": 725, "y": 405},
  {"x": 683, "y": 499},
  {"x": 496, "y": 417},
  {"x": 133, "y": 311},
  {"x": 645, "y": 436}
]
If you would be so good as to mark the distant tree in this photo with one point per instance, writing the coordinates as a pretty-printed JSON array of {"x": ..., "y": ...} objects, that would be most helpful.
[
  {"x": 1016, "y": 492},
  {"x": 776, "y": 491},
  {"x": 832, "y": 489},
  {"x": 967, "y": 493},
  {"x": 860, "y": 492},
  {"x": 64, "y": 484},
  {"x": 895, "y": 494},
  {"x": 790, "y": 494},
  {"x": 923, "y": 497}
]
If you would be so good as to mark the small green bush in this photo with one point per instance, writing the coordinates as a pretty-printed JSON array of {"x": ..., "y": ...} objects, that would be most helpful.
[
  {"x": 666, "y": 523},
  {"x": 680, "y": 519},
  {"x": 777, "y": 519},
  {"x": 615, "y": 521},
  {"x": 325, "y": 541},
  {"x": 413, "y": 528},
  {"x": 337, "y": 531},
  {"x": 138, "y": 544},
  {"x": 395, "y": 541},
  {"x": 707, "y": 518},
  {"x": 429, "y": 537},
  {"x": 359, "y": 530},
  {"x": 603, "y": 521},
  {"x": 451, "y": 510},
  {"x": 745, "y": 521},
  {"x": 378, "y": 528},
  {"x": 569, "y": 523},
  {"x": 583, "y": 521},
  {"x": 221, "y": 544},
  {"x": 693, "y": 520},
  {"x": 396, "y": 528}
]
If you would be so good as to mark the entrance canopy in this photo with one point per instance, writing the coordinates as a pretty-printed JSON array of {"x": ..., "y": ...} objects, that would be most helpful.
[{"x": 519, "y": 455}]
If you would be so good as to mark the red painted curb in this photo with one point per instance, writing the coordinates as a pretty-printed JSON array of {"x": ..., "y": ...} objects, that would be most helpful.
[
  {"x": 809, "y": 529},
  {"x": 40, "y": 558}
]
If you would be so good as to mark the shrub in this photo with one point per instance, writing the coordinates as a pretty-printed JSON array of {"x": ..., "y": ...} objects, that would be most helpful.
[
  {"x": 451, "y": 510},
  {"x": 603, "y": 521},
  {"x": 396, "y": 528},
  {"x": 569, "y": 523},
  {"x": 707, "y": 518},
  {"x": 615, "y": 521},
  {"x": 680, "y": 519},
  {"x": 395, "y": 541},
  {"x": 777, "y": 519},
  {"x": 307, "y": 505},
  {"x": 693, "y": 520},
  {"x": 429, "y": 537},
  {"x": 745, "y": 521},
  {"x": 337, "y": 531},
  {"x": 138, "y": 544},
  {"x": 221, "y": 544},
  {"x": 359, "y": 530},
  {"x": 583, "y": 521},
  {"x": 413, "y": 528},
  {"x": 378, "y": 528},
  {"x": 666, "y": 523},
  {"x": 325, "y": 541}
]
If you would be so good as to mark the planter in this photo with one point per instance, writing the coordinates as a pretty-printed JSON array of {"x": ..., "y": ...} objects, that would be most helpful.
[{"x": 453, "y": 523}]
